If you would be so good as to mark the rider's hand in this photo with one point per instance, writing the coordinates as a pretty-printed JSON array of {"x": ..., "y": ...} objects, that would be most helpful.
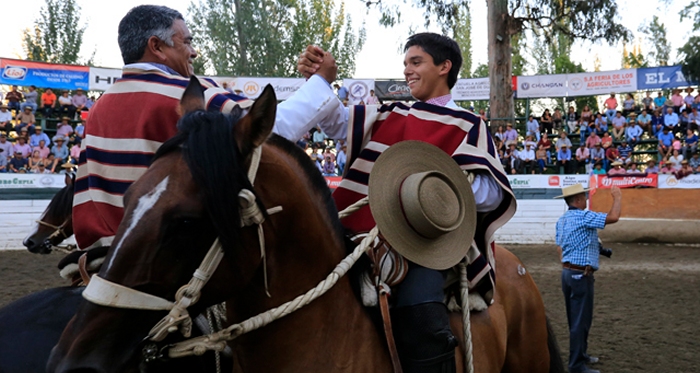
[
  {"x": 310, "y": 61},
  {"x": 328, "y": 69},
  {"x": 615, "y": 193}
]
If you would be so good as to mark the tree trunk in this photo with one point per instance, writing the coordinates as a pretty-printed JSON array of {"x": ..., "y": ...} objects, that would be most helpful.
[
  {"x": 242, "y": 47},
  {"x": 500, "y": 64}
]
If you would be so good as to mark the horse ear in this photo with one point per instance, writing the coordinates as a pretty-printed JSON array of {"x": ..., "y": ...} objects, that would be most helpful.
[
  {"x": 193, "y": 98},
  {"x": 253, "y": 129}
]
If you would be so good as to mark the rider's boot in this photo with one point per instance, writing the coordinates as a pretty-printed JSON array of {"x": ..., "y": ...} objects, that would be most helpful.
[{"x": 424, "y": 339}]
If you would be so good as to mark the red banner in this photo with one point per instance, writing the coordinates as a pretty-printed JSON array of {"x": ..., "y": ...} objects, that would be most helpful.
[
  {"x": 333, "y": 181},
  {"x": 627, "y": 181}
]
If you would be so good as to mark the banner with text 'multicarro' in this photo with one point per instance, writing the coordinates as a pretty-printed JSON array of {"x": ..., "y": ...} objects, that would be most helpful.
[
  {"x": 43, "y": 75},
  {"x": 628, "y": 181}
]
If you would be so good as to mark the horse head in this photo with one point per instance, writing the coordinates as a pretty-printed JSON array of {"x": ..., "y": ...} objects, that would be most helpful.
[
  {"x": 56, "y": 223},
  {"x": 187, "y": 198}
]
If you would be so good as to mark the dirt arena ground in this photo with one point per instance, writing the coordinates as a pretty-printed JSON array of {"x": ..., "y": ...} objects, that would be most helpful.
[{"x": 646, "y": 302}]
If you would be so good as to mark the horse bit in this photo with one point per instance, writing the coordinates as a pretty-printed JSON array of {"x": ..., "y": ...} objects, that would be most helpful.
[{"x": 58, "y": 231}]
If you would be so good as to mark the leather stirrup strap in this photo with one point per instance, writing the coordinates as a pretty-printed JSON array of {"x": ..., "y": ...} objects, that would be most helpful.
[
  {"x": 82, "y": 268},
  {"x": 388, "y": 331}
]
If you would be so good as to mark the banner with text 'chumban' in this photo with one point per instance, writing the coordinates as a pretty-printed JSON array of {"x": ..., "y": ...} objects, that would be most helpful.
[{"x": 43, "y": 75}]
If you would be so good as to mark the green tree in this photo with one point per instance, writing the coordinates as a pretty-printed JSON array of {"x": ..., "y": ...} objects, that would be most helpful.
[
  {"x": 462, "y": 33},
  {"x": 481, "y": 71},
  {"x": 689, "y": 53},
  {"x": 264, "y": 37},
  {"x": 57, "y": 35},
  {"x": 660, "y": 50}
]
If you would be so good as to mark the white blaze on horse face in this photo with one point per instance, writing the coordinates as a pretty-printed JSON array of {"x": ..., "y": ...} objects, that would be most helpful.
[
  {"x": 146, "y": 202},
  {"x": 35, "y": 229}
]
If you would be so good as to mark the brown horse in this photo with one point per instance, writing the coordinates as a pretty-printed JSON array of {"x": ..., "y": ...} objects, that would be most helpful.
[
  {"x": 55, "y": 224},
  {"x": 173, "y": 214}
]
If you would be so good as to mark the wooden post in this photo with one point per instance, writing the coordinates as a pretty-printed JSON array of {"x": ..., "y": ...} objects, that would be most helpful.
[{"x": 500, "y": 64}]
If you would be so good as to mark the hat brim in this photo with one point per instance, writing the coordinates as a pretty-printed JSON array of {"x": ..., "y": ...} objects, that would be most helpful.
[
  {"x": 586, "y": 190},
  {"x": 388, "y": 173}
]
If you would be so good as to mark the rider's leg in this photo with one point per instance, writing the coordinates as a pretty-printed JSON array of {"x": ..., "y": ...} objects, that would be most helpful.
[{"x": 421, "y": 323}]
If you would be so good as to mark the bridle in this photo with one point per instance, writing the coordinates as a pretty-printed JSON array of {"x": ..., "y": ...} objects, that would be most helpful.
[{"x": 59, "y": 232}]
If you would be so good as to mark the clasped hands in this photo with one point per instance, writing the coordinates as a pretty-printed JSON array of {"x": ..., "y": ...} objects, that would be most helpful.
[{"x": 314, "y": 60}]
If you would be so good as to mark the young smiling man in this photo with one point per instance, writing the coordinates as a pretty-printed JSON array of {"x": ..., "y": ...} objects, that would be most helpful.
[{"x": 431, "y": 64}]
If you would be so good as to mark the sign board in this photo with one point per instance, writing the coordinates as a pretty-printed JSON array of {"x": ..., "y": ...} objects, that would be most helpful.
[
  {"x": 662, "y": 77},
  {"x": 102, "y": 78},
  {"x": 471, "y": 89},
  {"x": 627, "y": 181},
  {"x": 542, "y": 86},
  {"x": 253, "y": 87},
  {"x": 688, "y": 182},
  {"x": 358, "y": 90},
  {"x": 43, "y": 75},
  {"x": 602, "y": 82},
  {"x": 546, "y": 181},
  {"x": 10, "y": 181},
  {"x": 392, "y": 90},
  {"x": 333, "y": 181}
]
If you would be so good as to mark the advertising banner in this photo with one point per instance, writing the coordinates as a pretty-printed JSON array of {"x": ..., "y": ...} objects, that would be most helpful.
[
  {"x": 662, "y": 77},
  {"x": 602, "y": 82},
  {"x": 392, "y": 90},
  {"x": 627, "y": 181},
  {"x": 546, "y": 181},
  {"x": 333, "y": 181},
  {"x": 43, "y": 75},
  {"x": 253, "y": 87},
  {"x": 358, "y": 90},
  {"x": 471, "y": 89},
  {"x": 11, "y": 181},
  {"x": 541, "y": 86},
  {"x": 671, "y": 182},
  {"x": 103, "y": 78}
]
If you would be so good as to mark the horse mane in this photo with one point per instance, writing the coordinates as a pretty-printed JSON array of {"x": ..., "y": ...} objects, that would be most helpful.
[
  {"x": 212, "y": 155},
  {"x": 61, "y": 204}
]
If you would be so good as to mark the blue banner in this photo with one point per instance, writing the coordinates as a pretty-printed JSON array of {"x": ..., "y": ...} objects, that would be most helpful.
[
  {"x": 43, "y": 75},
  {"x": 662, "y": 77}
]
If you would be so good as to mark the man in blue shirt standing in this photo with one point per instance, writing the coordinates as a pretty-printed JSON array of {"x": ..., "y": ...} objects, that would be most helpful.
[{"x": 577, "y": 240}]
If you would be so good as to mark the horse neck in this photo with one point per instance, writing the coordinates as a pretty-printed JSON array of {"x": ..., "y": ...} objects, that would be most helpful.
[{"x": 330, "y": 332}]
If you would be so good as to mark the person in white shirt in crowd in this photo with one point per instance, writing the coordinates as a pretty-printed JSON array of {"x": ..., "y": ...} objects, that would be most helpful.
[
  {"x": 372, "y": 99},
  {"x": 528, "y": 164}
]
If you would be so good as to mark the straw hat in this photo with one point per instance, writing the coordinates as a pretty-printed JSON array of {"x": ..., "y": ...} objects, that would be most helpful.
[
  {"x": 572, "y": 191},
  {"x": 616, "y": 163},
  {"x": 423, "y": 204}
]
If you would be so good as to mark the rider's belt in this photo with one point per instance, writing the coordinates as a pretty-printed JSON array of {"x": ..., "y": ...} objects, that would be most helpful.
[{"x": 585, "y": 269}]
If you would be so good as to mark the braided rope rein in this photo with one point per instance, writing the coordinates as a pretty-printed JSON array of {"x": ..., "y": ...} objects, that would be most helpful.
[{"x": 466, "y": 321}]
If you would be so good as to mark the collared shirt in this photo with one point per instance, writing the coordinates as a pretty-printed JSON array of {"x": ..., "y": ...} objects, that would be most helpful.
[
  {"x": 659, "y": 101},
  {"x": 440, "y": 100},
  {"x": 562, "y": 141},
  {"x": 619, "y": 122},
  {"x": 30, "y": 97},
  {"x": 35, "y": 138},
  {"x": 527, "y": 154},
  {"x": 582, "y": 153},
  {"x": 652, "y": 170},
  {"x": 532, "y": 126},
  {"x": 644, "y": 118},
  {"x": 564, "y": 155},
  {"x": 510, "y": 135},
  {"x": 577, "y": 235},
  {"x": 671, "y": 119},
  {"x": 666, "y": 138},
  {"x": 633, "y": 131},
  {"x": 625, "y": 151},
  {"x": 597, "y": 153},
  {"x": 79, "y": 100},
  {"x": 611, "y": 103},
  {"x": 48, "y": 98},
  {"x": 694, "y": 162}
]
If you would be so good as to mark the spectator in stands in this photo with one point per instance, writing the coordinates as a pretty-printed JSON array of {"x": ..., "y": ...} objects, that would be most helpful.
[
  {"x": 694, "y": 162},
  {"x": 625, "y": 152},
  {"x": 372, "y": 99},
  {"x": 592, "y": 140},
  {"x": 6, "y": 146},
  {"x": 676, "y": 160},
  {"x": 500, "y": 133},
  {"x": 598, "y": 169},
  {"x": 79, "y": 100},
  {"x": 633, "y": 169},
  {"x": 319, "y": 139},
  {"x": 598, "y": 155},
  {"x": 64, "y": 128},
  {"x": 582, "y": 160},
  {"x": 564, "y": 161},
  {"x": 317, "y": 159},
  {"x": 542, "y": 156},
  {"x": 633, "y": 134},
  {"x": 22, "y": 147},
  {"x": 531, "y": 141},
  {"x": 683, "y": 121},
  {"x": 79, "y": 133},
  {"x": 563, "y": 140},
  {"x": 14, "y": 97},
  {"x": 628, "y": 105},
  {"x": 666, "y": 168},
  {"x": 644, "y": 121},
  {"x": 328, "y": 166},
  {"x": 600, "y": 124},
  {"x": 59, "y": 150},
  {"x": 30, "y": 99},
  {"x": 651, "y": 167},
  {"x": 611, "y": 155},
  {"x": 483, "y": 116},
  {"x": 342, "y": 158},
  {"x": 65, "y": 105},
  {"x": 34, "y": 160},
  {"x": 648, "y": 103},
  {"x": 26, "y": 119},
  {"x": 685, "y": 170},
  {"x": 18, "y": 164},
  {"x": 342, "y": 92},
  {"x": 659, "y": 101},
  {"x": 89, "y": 103},
  {"x": 225, "y": 86},
  {"x": 557, "y": 118},
  {"x": 690, "y": 144},
  {"x": 610, "y": 107},
  {"x": 547, "y": 123},
  {"x": 528, "y": 164},
  {"x": 41, "y": 169},
  {"x": 619, "y": 122},
  {"x": 510, "y": 134},
  {"x": 665, "y": 143},
  {"x": 37, "y": 136},
  {"x": 657, "y": 123},
  {"x": 532, "y": 128},
  {"x": 5, "y": 119},
  {"x": 606, "y": 141},
  {"x": 75, "y": 154},
  {"x": 48, "y": 100},
  {"x": 617, "y": 169},
  {"x": 51, "y": 162},
  {"x": 572, "y": 119},
  {"x": 676, "y": 100},
  {"x": 546, "y": 143},
  {"x": 43, "y": 148},
  {"x": 3, "y": 161},
  {"x": 694, "y": 119},
  {"x": 585, "y": 123},
  {"x": 510, "y": 158}
]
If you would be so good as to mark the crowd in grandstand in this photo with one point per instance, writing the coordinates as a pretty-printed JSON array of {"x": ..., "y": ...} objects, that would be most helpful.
[{"x": 24, "y": 145}]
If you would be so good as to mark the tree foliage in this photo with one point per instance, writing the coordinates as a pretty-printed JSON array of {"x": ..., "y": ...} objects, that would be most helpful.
[
  {"x": 660, "y": 51},
  {"x": 689, "y": 53},
  {"x": 264, "y": 37},
  {"x": 462, "y": 34},
  {"x": 57, "y": 35}
]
